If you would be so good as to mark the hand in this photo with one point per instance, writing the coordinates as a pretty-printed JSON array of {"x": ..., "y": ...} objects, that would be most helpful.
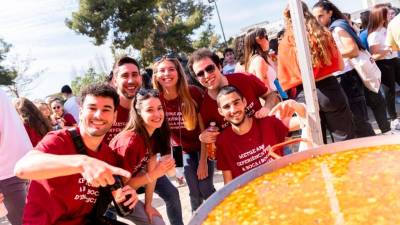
[
  {"x": 285, "y": 110},
  {"x": 98, "y": 173},
  {"x": 162, "y": 166},
  {"x": 202, "y": 169},
  {"x": 150, "y": 212},
  {"x": 1, "y": 197},
  {"x": 121, "y": 196},
  {"x": 263, "y": 112},
  {"x": 208, "y": 136}
]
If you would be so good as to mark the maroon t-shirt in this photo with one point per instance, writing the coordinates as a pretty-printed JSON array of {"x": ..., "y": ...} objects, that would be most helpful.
[
  {"x": 188, "y": 139},
  {"x": 33, "y": 135},
  {"x": 63, "y": 200},
  {"x": 69, "y": 120},
  {"x": 240, "y": 153},
  {"x": 251, "y": 88},
  {"x": 122, "y": 120},
  {"x": 132, "y": 154}
]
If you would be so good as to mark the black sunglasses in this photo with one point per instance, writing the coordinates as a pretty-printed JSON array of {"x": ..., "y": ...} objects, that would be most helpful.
[
  {"x": 209, "y": 69},
  {"x": 151, "y": 92},
  {"x": 57, "y": 107},
  {"x": 166, "y": 56}
]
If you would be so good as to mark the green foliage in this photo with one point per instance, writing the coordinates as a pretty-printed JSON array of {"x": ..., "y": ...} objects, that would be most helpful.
[
  {"x": 6, "y": 75},
  {"x": 153, "y": 27},
  {"x": 208, "y": 39},
  {"x": 90, "y": 77}
]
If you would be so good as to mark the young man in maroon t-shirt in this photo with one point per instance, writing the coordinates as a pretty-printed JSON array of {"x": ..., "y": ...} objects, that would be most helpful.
[
  {"x": 245, "y": 144},
  {"x": 64, "y": 186},
  {"x": 205, "y": 67}
]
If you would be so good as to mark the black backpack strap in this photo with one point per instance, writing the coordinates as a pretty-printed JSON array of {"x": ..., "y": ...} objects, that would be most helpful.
[{"x": 78, "y": 142}]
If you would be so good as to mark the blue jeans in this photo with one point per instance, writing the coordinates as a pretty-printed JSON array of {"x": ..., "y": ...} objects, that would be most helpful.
[
  {"x": 170, "y": 194},
  {"x": 199, "y": 190},
  {"x": 14, "y": 191}
]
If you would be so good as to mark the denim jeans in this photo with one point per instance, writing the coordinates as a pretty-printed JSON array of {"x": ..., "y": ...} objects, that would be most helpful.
[
  {"x": 378, "y": 106},
  {"x": 170, "y": 194},
  {"x": 199, "y": 190},
  {"x": 14, "y": 191},
  {"x": 388, "y": 80}
]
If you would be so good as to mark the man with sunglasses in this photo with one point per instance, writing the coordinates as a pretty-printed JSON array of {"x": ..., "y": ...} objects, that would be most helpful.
[
  {"x": 203, "y": 64},
  {"x": 127, "y": 81}
]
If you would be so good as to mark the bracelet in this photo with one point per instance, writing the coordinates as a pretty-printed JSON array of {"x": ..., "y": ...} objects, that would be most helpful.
[{"x": 149, "y": 179}]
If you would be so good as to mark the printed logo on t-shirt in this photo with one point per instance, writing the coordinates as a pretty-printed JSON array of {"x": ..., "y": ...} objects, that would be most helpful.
[
  {"x": 254, "y": 157},
  {"x": 114, "y": 130},
  {"x": 175, "y": 120},
  {"x": 87, "y": 193}
]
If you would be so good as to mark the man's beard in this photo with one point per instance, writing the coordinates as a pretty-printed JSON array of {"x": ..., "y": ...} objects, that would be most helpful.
[
  {"x": 126, "y": 95},
  {"x": 240, "y": 122}
]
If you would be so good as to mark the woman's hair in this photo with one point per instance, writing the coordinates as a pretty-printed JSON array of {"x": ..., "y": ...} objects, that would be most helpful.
[
  {"x": 32, "y": 117},
  {"x": 319, "y": 37},
  {"x": 188, "y": 105},
  {"x": 364, "y": 16},
  {"x": 329, "y": 6},
  {"x": 378, "y": 15},
  {"x": 159, "y": 142},
  {"x": 251, "y": 47},
  {"x": 239, "y": 49}
]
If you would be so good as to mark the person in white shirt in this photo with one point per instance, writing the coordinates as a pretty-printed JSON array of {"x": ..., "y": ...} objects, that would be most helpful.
[
  {"x": 14, "y": 143},
  {"x": 229, "y": 61},
  {"x": 71, "y": 105}
]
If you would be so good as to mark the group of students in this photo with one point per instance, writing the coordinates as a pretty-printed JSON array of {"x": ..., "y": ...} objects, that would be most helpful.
[{"x": 132, "y": 131}]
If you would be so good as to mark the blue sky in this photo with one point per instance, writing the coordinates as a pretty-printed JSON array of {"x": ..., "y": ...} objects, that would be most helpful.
[{"x": 36, "y": 28}]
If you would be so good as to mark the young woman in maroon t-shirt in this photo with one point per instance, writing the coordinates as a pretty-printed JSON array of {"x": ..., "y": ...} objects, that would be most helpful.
[
  {"x": 181, "y": 103},
  {"x": 36, "y": 125},
  {"x": 60, "y": 116},
  {"x": 145, "y": 135}
]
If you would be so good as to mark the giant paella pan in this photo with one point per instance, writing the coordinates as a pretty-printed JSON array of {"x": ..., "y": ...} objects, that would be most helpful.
[{"x": 351, "y": 182}]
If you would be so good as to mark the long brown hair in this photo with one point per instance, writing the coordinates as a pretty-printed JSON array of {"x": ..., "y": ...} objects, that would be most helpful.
[
  {"x": 378, "y": 15},
  {"x": 160, "y": 139},
  {"x": 251, "y": 47},
  {"x": 188, "y": 106},
  {"x": 319, "y": 37},
  {"x": 32, "y": 116}
]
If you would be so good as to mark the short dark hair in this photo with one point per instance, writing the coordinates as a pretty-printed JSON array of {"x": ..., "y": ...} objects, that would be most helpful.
[
  {"x": 122, "y": 61},
  {"x": 228, "y": 50},
  {"x": 200, "y": 54},
  {"x": 100, "y": 90},
  {"x": 228, "y": 89},
  {"x": 66, "y": 89}
]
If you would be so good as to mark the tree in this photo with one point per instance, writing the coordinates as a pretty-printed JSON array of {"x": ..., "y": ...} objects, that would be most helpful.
[
  {"x": 6, "y": 76},
  {"x": 90, "y": 77},
  {"x": 154, "y": 27},
  {"x": 208, "y": 39}
]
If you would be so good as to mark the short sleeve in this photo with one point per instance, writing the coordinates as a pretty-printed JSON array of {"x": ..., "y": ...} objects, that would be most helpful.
[
  {"x": 373, "y": 39},
  {"x": 52, "y": 143},
  {"x": 197, "y": 95}
]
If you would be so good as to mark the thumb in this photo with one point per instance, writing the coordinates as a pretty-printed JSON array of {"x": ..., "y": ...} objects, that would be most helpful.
[{"x": 119, "y": 171}]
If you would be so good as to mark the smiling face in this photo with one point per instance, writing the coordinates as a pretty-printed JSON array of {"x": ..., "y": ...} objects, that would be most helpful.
[
  {"x": 127, "y": 80},
  {"x": 207, "y": 73},
  {"x": 97, "y": 115},
  {"x": 167, "y": 75},
  {"x": 232, "y": 107},
  {"x": 152, "y": 114}
]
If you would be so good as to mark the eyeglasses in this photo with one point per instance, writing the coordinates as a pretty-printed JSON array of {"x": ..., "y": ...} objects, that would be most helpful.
[
  {"x": 151, "y": 92},
  {"x": 57, "y": 107},
  {"x": 209, "y": 69},
  {"x": 166, "y": 56}
]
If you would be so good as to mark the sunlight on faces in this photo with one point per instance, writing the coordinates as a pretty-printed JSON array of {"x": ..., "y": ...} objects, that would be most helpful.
[
  {"x": 323, "y": 16},
  {"x": 152, "y": 113},
  {"x": 97, "y": 115},
  {"x": 128, "y": 80},
  {"x": 167, "y": 75},
  {"x": 209, "y": 80},
  {"x": 44, "y": 109},
  {"x": 232, "y": 108}
]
